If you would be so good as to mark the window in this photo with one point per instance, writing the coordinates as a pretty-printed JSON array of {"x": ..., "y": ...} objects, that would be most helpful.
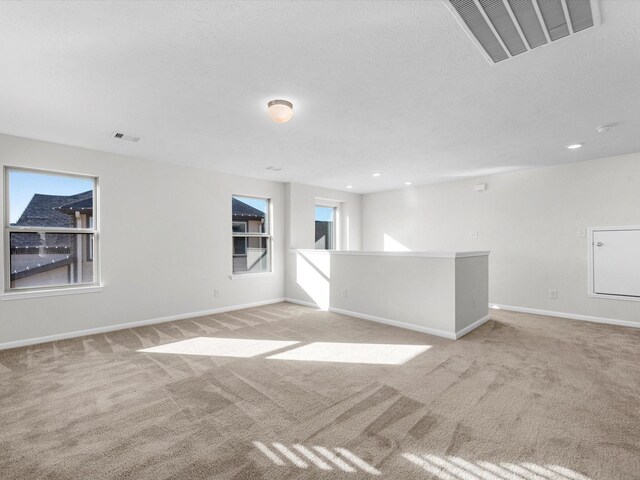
[
  {"x": 251, "y": 235},
  {"x": 50, "y": 237},
  {"x": 325, "y": 227},
  {"x": 239, "y": 243}
]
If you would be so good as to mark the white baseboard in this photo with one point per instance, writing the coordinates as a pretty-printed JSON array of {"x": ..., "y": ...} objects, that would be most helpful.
[
  {"x": 300, "y": 302},
  {"x": 395, "y": 323},
  {"x": 473, "y": 326},
  {"x": 124, "y": 326},
  {"x": 570, "y": 316}
]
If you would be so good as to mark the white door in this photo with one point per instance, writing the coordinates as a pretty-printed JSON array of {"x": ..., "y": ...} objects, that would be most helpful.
[{"x": 616, "y": 262}]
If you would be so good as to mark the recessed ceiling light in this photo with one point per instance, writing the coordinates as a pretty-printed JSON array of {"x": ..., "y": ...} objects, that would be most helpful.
[
  {"x": 349, "y": 186},
  {"x": 605, "y": 128},
  {"x": 280, "y": 111},
  {"x": 376, "y": 174},
  {"x": 574, "y": 146},
  {"x": 408, "y": 183}
]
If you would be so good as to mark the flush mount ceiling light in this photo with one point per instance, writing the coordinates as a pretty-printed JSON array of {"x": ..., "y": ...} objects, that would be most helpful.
[
  {"x": 574, "y": 146},
  {"x": 375, "y": 174},
  {"x": 280, "y": 111},
  {"x": 349, "y": 186},
  {"x": 408, "y": 183}
]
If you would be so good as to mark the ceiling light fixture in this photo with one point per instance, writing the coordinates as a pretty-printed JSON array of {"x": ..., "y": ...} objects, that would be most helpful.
[
  {"x": 408, "y": 183},
  {"x": 349, "y": 186},
  {"x": 375, "y": 174},
  {"x": 605, "y": 128},
  {"x": 280, "y": 111},
  {"x": 574, "y": 146}
]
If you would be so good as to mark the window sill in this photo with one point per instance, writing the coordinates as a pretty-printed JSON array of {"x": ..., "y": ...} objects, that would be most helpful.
[
  {"x": 50, "y": 293},
  {"x": 237, "y": 276}
]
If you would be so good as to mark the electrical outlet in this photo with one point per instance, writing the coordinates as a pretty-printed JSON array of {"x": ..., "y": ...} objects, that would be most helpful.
[
  {"x": 473, "y": 234},
  {"x": 582, "y": 233},
  {"x": 553, "y": 294},
  {"x": 344, "y": 292},
  {"x": 216, "y": 292}
]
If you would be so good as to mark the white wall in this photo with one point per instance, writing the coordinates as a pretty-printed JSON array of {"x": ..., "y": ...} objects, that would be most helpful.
[
  {"x": 441, "y": 293},
  {"x": 530, "y": 220},
  {"x": 472, "y": 290},
  {"x": 165, "y": 243},
  {"x": 301, "y": 201}
]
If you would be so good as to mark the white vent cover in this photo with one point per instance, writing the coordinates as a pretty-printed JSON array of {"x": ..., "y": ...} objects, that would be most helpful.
[
  {"x": 502, "y": 29},
  {"x": 125, "y": 137}
]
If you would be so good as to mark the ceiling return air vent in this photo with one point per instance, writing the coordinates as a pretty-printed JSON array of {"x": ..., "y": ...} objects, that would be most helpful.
[
  {"x": 502, "y": 29},
  {"x": 125, "y": 137}
]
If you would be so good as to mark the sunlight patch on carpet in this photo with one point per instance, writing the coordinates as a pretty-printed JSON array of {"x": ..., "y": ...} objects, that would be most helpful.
[
  {"x": 321, "y": 457},
  {"x": 221, "y": 347},
  {"x": 368, "y": 353},
  {"x": 456, "y": 468}
]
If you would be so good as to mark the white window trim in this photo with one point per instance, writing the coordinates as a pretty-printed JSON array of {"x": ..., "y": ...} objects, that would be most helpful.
[
  {"x": 268, "y": 235},
  {"x": 8, "y": 293},
  {"x": 54, "y": 292},
  {"x": 237, "y": 276}
]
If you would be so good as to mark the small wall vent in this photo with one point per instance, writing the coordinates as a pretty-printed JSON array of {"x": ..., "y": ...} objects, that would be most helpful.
[
  {"x": 502, "y": 29},
  {"x": 125, "y": 137}
]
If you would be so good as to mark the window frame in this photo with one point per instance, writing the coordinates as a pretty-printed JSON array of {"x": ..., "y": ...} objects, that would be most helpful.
[
  {"x": 268, "y": 227},
  {"x": 336, "y": 206},
  {"x": 243, "y": 235},
  {"x": 30, "y": 292},
  {"x": 240, "y": 222}
]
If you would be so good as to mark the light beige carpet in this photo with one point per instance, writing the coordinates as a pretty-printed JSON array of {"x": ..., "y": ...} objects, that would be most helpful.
[{"x": 522, "y": 397}]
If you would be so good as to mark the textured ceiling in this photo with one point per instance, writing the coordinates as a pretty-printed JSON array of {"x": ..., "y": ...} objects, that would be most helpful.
[{"x": 391, "y": 87}]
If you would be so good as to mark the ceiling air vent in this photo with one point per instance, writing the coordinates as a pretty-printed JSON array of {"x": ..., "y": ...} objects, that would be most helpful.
[
  {"x": 125, "y": 137},
  {"x": 502, "y": 29}
]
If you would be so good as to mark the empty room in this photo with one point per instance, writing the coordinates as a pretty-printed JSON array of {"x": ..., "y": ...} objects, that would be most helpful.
[{"x": 279, "y": 239}]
